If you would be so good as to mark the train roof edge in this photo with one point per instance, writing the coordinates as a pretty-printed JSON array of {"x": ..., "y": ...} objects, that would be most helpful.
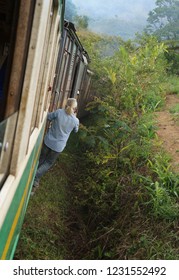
[{"x": 71, "y": 28}]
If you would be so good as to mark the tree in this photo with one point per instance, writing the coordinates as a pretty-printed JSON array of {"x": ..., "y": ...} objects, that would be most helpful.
[
  {"x": 72, "y": 15},
  {"x": 81, "y": 21},
  {"x": 164, "y": 20},
  {"x": 70, "y": 11}
]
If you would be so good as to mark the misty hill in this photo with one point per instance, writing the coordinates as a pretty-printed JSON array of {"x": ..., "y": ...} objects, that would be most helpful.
[
  {"x": 116, "y": 17},
  {"x": 117, "y": 27}
]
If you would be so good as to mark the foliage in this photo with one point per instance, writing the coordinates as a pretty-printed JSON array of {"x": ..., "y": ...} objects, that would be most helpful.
[
  {"x": 119, "y": 189},
  {"x": 98, "y": 47},
  {"x": 175, "y": 109},
  {"x": 163, "y": 23},
  {"x": 44, "y": 230},
  {"x": 70, "y": 11},
  {"x": 81, "y": 21},
  {"x": 172, "y": 57},
  {"x": 138, "y": 74},
  {"x": 164, "y": 20},
  {"x": 118, "y": 162},
  {"x": 163, "y": 188},
  {"x": 71, "y": 14},
  {"x": 175, "y": 113},
  {"x": 171, "y": 84}
]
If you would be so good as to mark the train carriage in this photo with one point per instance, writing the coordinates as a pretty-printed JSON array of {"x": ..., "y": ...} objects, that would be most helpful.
[
  {"x": 73, "y": 77},
  {"x": 42, "y": 63},
  {"x": 30, "y": 34}
]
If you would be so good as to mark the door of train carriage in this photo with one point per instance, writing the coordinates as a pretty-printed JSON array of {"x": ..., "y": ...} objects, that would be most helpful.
[
  {"x": 11, "y": 78},
  {"x": 85, "y": 94},
  {"x": 79, "y": 75},
  {"x": 81, "y": 83}
]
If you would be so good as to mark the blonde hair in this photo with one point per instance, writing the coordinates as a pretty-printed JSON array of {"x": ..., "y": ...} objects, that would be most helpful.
[{"x": 71, "y": 104}]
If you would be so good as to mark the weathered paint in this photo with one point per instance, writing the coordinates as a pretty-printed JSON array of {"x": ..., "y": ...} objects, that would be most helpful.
[{"x": 9, "y": 233}]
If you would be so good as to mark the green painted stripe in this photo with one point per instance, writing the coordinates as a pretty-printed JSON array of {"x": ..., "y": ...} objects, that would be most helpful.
[
  {"x": 14, "y": 224},
  {"x": 22, "y": 201}
]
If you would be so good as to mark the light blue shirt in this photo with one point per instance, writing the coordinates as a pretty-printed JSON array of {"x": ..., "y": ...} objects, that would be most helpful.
[{"x": 61, "y": 127}]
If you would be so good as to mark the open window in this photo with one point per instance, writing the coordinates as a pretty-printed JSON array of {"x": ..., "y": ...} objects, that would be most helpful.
[{"x": 13, "y": 52}]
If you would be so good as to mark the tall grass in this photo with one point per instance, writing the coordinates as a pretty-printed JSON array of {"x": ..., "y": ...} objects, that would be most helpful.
[
  {"x": 122, "y": 160},
  {"x": 172, "y": 84}
]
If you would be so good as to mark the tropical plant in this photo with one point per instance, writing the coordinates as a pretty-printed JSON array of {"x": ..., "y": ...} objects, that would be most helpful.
[{"x": 136, "y": 76}]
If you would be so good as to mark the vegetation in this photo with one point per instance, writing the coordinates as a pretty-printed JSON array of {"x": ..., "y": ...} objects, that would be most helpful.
[
  {"x": 113, "y": 193},
  {"x": 172, "y": 84},
  {"x": 70, "y": 10},
  {"x": 164, "y": 20},
  {"x": 81, "y": 22}
]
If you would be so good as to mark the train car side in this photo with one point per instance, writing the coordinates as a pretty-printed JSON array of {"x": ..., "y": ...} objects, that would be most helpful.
[
  {"x": 30, "y": 32},
  {"x": 42, "y": 64},
  {"x": 73, "y": 76}
]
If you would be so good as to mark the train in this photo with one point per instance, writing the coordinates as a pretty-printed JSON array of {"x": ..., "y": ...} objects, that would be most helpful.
[{"x": 42, "y": 64}]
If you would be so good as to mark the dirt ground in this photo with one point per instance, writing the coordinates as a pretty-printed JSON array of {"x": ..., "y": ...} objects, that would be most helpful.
[{"x": 168, "y": 130}]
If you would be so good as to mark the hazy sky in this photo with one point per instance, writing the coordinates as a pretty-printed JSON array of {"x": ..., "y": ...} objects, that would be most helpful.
[
  {"x": 122, "y": 18},
  {"x": 114, "y": 8}
]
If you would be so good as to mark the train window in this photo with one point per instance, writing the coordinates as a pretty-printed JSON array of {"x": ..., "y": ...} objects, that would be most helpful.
[
  {"x": 62, "y": 77},
  {"x": 67, "y": 78},
  {"x": 72, "y": 62},
  {"x": 62, "y": 70},
  {"x": 65, "y": 73},
  {"x": 65, "y": 61},
  {"x": 78, "y": 74},
  {"x": 47, "y": 73},
  {"x": 67, "y": 43},
  {"x": 8, "y": 12},
  {"x": 3, "y": 67},
  {"x": 42, "y": 75},
  {"x": 86, "y": 85},
  {"x": 53, "y": 76},
  {"x": 13, "y": 51}
]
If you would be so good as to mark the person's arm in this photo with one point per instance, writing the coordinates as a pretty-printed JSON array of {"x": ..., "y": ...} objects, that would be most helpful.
[
  {"x": 76, "y": 128},
  {"x": 52, "y": 115}
]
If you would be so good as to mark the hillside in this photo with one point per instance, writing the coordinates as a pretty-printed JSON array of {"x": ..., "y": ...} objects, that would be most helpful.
[
  {"x": 117, "y": 27},
  {"x": 117, "y": 17}
]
